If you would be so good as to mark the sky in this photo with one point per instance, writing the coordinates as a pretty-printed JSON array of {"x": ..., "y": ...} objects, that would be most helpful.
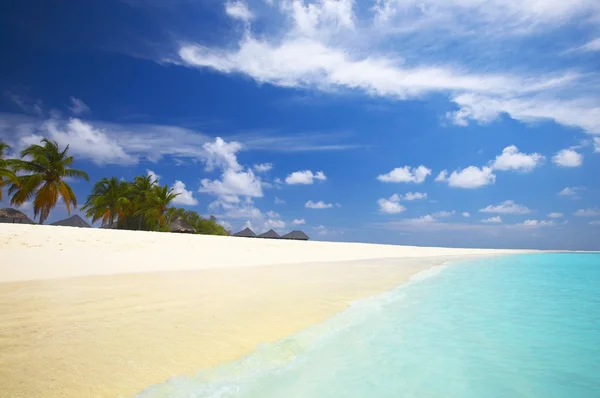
[{"x": 463, "y": 123}]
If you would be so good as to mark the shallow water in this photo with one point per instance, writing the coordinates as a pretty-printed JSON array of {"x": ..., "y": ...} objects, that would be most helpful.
[{"x": 514, "y": 326}]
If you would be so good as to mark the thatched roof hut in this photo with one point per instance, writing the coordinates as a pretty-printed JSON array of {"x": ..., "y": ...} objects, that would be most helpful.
[
  {"x": 179, "y": 225},
  {"x": 296, "y": 235},
  {"x": 246, "y": 233},
  {"x": 270, "y": 234},
  {"x": 14, "y": 216},
  {"x": 73, "y": 221}
]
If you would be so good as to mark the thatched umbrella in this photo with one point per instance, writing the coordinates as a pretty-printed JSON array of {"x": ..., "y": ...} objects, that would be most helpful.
[
  {"x": 246, "y": 233},
  {"x": 73, "y": 221},
  {"x": 270, "y": 234},
  {"x": 14, "y": 216},
  {"x": 181, "y": 226},
  {"x": 296, "y": 235}
]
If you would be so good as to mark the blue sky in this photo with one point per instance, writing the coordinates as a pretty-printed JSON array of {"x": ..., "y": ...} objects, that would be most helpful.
[{"x": 458, "y": 122}]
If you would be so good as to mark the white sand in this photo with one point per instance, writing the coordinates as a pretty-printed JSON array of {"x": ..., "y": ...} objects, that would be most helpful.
[{"x": 120, "y": 322}]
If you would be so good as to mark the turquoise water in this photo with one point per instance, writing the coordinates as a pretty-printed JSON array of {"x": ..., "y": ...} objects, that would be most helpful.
[{"x": 515, "y": 326}]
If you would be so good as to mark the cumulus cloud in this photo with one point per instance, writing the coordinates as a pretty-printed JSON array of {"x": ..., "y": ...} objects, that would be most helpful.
[
  {"x": 304, "y": 177},
  {"x": 263, "y": 167},
  {"x": 596, "y": 144},
  {"x": 506, "y": 207},
  {"x": 184, "y": 197},
  {"x": 466, "y": 214},
  {"x": 492, "y": 220},
  {"x": 592, "y": 212},
  {"x": 414, "y": 196},
  {"x": 406, "y": 174},
  {"x": 299, "y": 221},
  {"x": 570, "y": 192},
  {"x": 391, "y": 205},
  {"x": 78, "y": 107},
  {"x": 512, "y": 159},
  {"x": 568, "y": 158},
  {"x": 470, "y": 177},
  {"x": 235, "y": 178},
  {"x": 554, "y": 215},
  {"x": 154, "y": 178},
  {"x": 318, "y": 205}
]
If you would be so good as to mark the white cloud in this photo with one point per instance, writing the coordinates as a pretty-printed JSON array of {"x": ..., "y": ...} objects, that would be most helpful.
[
  {"x": 300, "y": 221},
  {"x": 536, "y": 223},
  {"x": 414, "y": 196},
  {"x": 333, "y": 45},
  {"x": 84, "y": 141},
  {"x": 279, "y": 201},
  {"x": 595, "y": 212},
  {"x": 391, "y": 205},
  {"x": 554, "y": 215},
  {"x": 506, "y": 207},
  {"x": 571, "y": 192},
  {"x": 238, "y": 10},
  {"x": 406, "y": 174},
  {"x": 568, "y": 158},
  {"x": 595, "y": 222},
  {"x": 235, "y": 179},
  {"x": 492, "y": 220},
  {"x": 225, "y": 224},
  {"x": 512, "y": 159},
  {"x": 469, "y": 177},
  {"x": 274, "y": 224},
  {"x": 272, "y": 214},
  {"x": 232, "y": 182},
  {"x": 226, "y": 208},
  {"x": 317, "y": 205},
  {"x": 444, "y": 214},
  {"x": 263, "y": 167},
  {"x": 466, "y": 214},
  {"x": 596, "y": 144},
  {"x": 185, "y": 197},
  {"x": 442, "y": 176},
  {"x": 304, "y": 177},
  {"x": 582, "y": 112},
  {"x": 78, "y": 107},
  {"x": 154, "y": 178},
  {"x": 591, "y": 46}
]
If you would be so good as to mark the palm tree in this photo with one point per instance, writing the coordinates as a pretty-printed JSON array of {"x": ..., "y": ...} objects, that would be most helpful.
[
  {"x": 108, "y": 201},
  {"x": 156, "y": 204},
  {"x": 6, "y": 173},
  {"x": 142, "y": 186},
  {"x": 48, "y": 167}
]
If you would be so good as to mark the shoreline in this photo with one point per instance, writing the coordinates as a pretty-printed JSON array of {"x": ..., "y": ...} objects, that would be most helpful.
[{"x": 152, "y": 325}]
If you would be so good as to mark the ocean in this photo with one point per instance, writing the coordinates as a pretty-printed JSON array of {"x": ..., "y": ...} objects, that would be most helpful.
[{"x": 513, "y": 326}]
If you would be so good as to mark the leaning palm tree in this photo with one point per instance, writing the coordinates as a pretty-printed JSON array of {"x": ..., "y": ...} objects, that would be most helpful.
[
  {"x": 108, "y": 201},
  {"x": 46, "y": 167},
  {"x": 156, "y": 204},
  {"x": 6, "y": 174}
]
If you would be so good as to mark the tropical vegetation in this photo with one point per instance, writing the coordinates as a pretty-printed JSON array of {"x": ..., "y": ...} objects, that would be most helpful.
[{"x": 43, "y": 173}]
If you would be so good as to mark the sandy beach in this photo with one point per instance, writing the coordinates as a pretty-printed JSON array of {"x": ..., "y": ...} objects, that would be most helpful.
[{"x": 100, "y": 313}]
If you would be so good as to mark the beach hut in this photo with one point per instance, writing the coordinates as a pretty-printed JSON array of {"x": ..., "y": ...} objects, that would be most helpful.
[
  {"x": 73, "y": 221},
  {"x": 270, "y": 234},
  {"x": 246, "y": 233},
  {"x": 14, "y": 216},
  {"x": 181, "y": 226},
  {"x": 296, "y": 235}
]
